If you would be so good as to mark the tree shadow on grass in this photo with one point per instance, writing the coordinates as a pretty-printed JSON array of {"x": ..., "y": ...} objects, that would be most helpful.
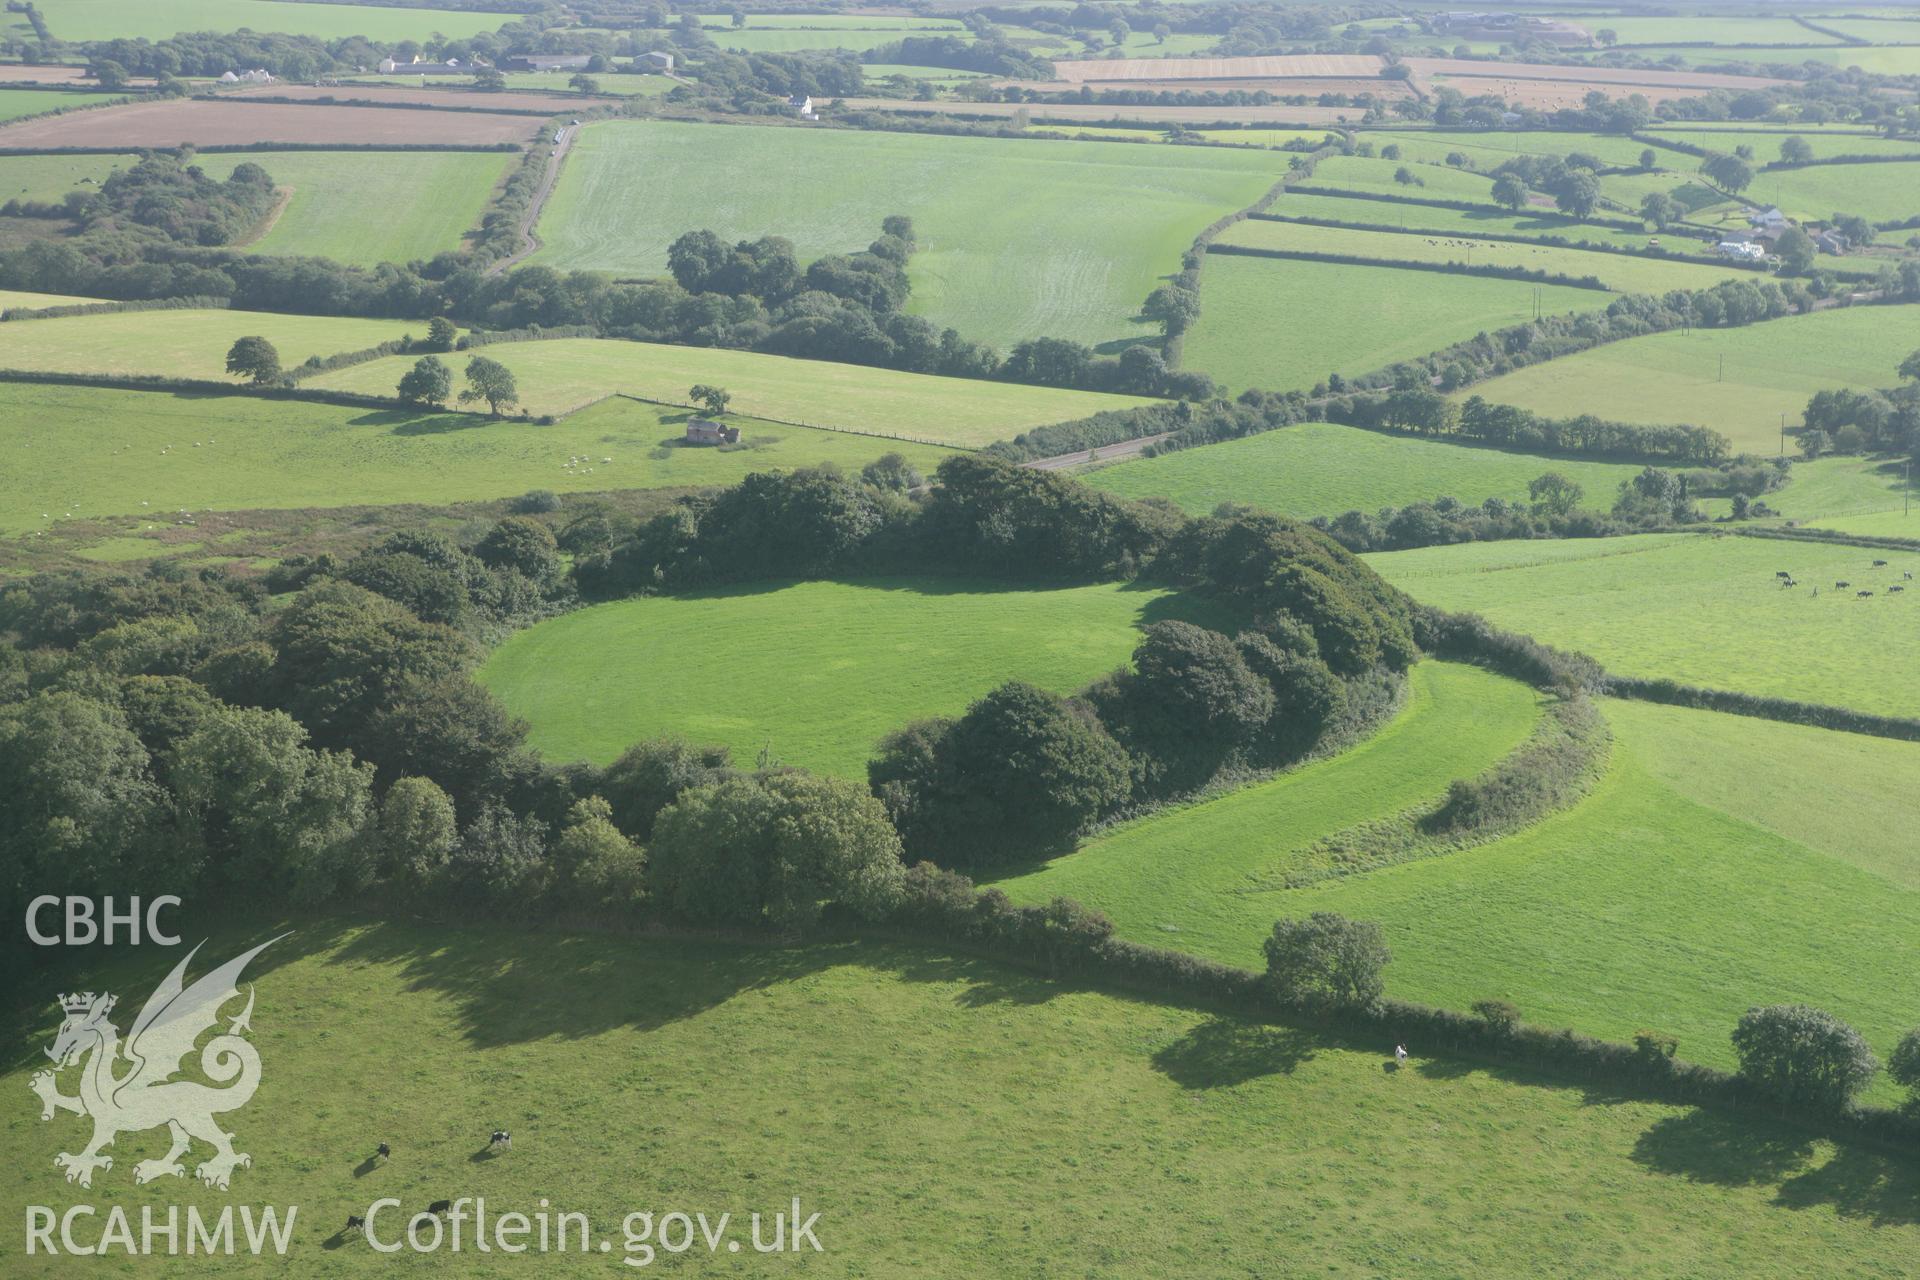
[
  {"x": 1750, "y": 1151},
  {"x": 133, "y": 973},
  {"x": 1227, "y": 1051},
  {"x": 1859, "y": 1183},
  {"x": 1724, "y": 1150},
  {"x": 401, "y": 423},
  {"x": 513, "y": 986},
  {"x": 985, "y": 983}
]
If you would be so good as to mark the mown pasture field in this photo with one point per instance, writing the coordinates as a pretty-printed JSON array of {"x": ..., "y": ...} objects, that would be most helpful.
[
  {"x": 562, "y": 374},
  {"x": 1700, "y": 609},
  {"x": 1724, "y": 862},
  {"x": 36, "y": 301},
  {"x": 183, "y": 344},
  {"x": 1364, "y": 318},
  {"x": 79, "y": 20},
  {"x": 1891, "y": 523},
  {"x": 1322, "y": 469},
  {"x": 1766, "y": 145},
  {"x": 817, "y": 672},
  {"x": 47, "y": 178},
  {"x": 880, "y": 1082},
  {"x": 1891, "y": 60},
  {"x": 95, "y": 452},
  {"x": 15, "y": 103},
  {"x": 1620, "y": 272},
  {"x": 1693, "y": 29},
  {"x": 1714, "y": 866},
  {"x": 1186, "y": 877},
  {"x": 328, "y": 215},
  {"x": 1534, "y": 223},
  {"x": 1841, "y": 486},
  {"x": 1488, "y": 149},
  {"x": 1363, "y": 173},
  {"x": 1888, "y": 192},
  {"x": 1740, "y": 382},
  {"x": 1018, "y": 238}
]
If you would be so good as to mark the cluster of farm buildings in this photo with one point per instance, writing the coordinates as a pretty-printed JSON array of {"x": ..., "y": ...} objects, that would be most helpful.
[{"x": 1764, "y": 229}]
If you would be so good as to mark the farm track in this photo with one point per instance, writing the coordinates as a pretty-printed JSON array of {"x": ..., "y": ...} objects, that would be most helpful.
[
  {"x": 1105, "y": 453},
  {"x": 529, "y": 240}
]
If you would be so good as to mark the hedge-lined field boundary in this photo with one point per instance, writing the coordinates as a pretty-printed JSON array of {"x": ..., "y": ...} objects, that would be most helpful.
[
  {"x": 1528, "y": 274},
  {"x": 1551, "y": 771},
  {"x": 1065, "y": 939},
  {"x": 105, "y": 307}
]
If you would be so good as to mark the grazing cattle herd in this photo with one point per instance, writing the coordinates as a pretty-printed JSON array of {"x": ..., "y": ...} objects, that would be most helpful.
[{"x": 1786, "y": 579}]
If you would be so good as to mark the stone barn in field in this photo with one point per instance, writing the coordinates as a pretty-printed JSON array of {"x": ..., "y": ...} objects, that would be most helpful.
[{"x": 707, "y": 431}]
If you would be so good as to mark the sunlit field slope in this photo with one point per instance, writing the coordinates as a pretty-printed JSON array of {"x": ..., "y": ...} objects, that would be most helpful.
[
  {"x": 816, "y": 672},
  {"x": 1725, "y": 862},
  {"x": 1700, "y": 609},
  {"x": 1018, "y": 239},
  {"x": 78, "y": 20},
  {"x": 428, "y": 200},
  {"x": 1320, "y": 469},
  {"x": 882, "y": 1084},
  {"x": 562, "y": 374},
  {"x": 1285, "y": 325},
  {"x": 84, "y": 452},
  {"x": 183, "y": 344},
  {"x": 1739, "y": 382}
]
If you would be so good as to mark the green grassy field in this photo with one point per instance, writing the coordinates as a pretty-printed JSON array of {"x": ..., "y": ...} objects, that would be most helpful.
[
  {"x": 1840, "y": 486},
  {"x": 1878, "y": 192},
  {"x": 1766, "y": 146},
  {"x": 1725, "y": 862},
  {"x": 1682, "y": 182},
  {"x": 1633, "y": 29},
  {"x": 15, "y": 103},
  {"x": 37, "y": 301},
  {"x": 50, "y": 177},
  {"x": 1321, "y": 469},
  {"x": 96, "y": 452},
  {"x": 1769, "y": 370},
  {"x": 1488, "y": 149},
  {"x": 1186, "y": 878},
  {"x": 1892, "y": 523},
  {"x": 1884, "y": 61},
  {"x": 562, "y": 374},
  {"x": 818, "y": 670},
  {"x": 989, "y": 213},
  {"x": 1624, "y": 273},
  {"x": 1717, "y": 865},
  {"x": 1414, "y": 217},
  {"x": 1364, "y": 318},
  {"x": 184, "y": 344},
  {"x": 79, "y": 20},
  {"x": 1702, "y": 610},
  {"x": 1361, "y": 173},
  {"x": 328, "y": 214},
  {"x": 944, "y": 1116}
]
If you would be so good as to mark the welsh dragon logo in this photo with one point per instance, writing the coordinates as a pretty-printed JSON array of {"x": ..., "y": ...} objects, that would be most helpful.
[{"x": 127, "y": 1087}]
